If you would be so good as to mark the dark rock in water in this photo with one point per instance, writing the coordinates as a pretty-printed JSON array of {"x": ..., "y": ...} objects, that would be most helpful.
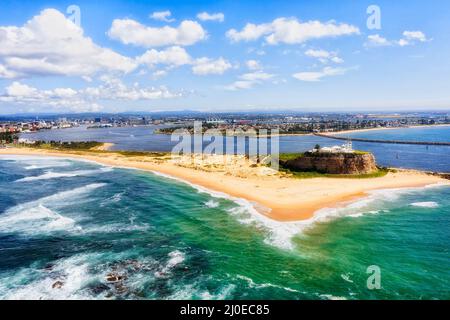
[
  {"x": 58, "y": 285},
  {"x": 99, "y": 288},
  {"x": 120, "y": 288},
  {"x": 49, "y": 267},
  {"x": 115, "y": 277}
]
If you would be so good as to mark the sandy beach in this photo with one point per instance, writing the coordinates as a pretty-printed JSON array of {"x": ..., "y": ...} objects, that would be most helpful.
[
  {"x": 377, "y": 129},
  {"x": 277, "y": 196}
]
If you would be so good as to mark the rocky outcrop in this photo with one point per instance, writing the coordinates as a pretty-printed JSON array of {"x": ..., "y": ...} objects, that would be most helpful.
[{"x": 335, "y": 163}]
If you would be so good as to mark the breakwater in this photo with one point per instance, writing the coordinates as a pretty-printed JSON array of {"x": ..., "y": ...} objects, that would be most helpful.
[{"x": 429, "y": 143}]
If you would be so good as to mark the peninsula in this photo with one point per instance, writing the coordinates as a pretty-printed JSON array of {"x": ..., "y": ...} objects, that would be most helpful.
[{"x": 275, "y": 194}]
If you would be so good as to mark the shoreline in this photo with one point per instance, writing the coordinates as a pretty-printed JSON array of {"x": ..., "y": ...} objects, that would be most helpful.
[
  {"x": 382, "y": 129},
  {"x": 276, "y": 197}
]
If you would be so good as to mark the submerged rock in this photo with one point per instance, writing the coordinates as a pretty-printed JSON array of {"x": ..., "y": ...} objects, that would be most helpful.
[
  {"x": 58, "y": 285},
  {"x": 115, "y": 277}
]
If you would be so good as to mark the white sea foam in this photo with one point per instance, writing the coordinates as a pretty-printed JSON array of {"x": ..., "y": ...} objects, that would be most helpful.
[
  {"x": 35, "y": 217},
  {"x": 53, "y": 175},
  {"x": 175, "y": 258},
  {"x": 191, "y": 291},
  {"x": 346, "y": 277},
  {"x": 48, "y": 165},
  {"x": 252, "y": 284},
  {"x": 212, "y": 204},
  {"x": 429, "y": 204},
  {"x": 117, "y": 197},
  {"x": 331, "y": 297},
  {"x": 36, "y": 162},
  {"x": 73, "y": 273},
  {"x": 65, "y": 197},
  {"x": 116, "y": 228}
]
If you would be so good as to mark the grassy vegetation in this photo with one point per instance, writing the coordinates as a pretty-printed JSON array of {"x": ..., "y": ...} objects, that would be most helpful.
[
  {"x": 141, "y": 153},
  {"x": 56, "y": 145},
  {"x": 290, "y": 156},
  {"x": 381, "y": 172},
  {"x": 293, "y": 156}
]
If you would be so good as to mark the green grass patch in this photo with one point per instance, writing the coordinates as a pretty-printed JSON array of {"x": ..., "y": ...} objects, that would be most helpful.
[
  {"x": 141, "y": 153},
  {"x": 360, "y": 152},
  {"x": 290, "y": 156},
  {"x": 381, "y": 172},
  {"x": 67, "y": 146}
]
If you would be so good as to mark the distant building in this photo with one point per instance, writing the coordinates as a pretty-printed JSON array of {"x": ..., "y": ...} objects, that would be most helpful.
[
  {"x": 25, "y": 141},
  {"x": 345, "y": 148}
]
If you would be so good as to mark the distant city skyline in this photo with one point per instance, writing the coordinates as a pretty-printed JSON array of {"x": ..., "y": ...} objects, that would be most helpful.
[{"x": 140, "y": 56}]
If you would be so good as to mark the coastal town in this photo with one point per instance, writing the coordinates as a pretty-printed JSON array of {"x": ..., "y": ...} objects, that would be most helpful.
[{"x": 287, "y": 123}]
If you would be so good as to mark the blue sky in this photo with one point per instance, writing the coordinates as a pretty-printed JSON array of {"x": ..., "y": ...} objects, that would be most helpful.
[{"x": 223, "y": 55}]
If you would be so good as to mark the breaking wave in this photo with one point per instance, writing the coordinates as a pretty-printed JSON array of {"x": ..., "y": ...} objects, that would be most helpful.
[
  {"x": 429, "y": 204},
  {"x": 53, "y": 175},
  {"x": 280, "y": 234},
  {"x": 64, "y": 280},
  {"x": 212, "y": 204},
  {"x": 36, "y": 217}
]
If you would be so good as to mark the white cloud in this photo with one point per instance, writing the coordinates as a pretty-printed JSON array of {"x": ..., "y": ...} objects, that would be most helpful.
[
  {"x": 159, "y": 74},
  {"x": 337, "y": 60},
  {"x": 253, "y": 65},
  {"x": 129, "y": 31},
  {"x": 84, "y": 99},
  {"x": 318, "y": 53},
  {"x": 324, "y": 56},
  {"x": 205, "y": 16},
  {"x": 162, "y": 16},
  {"x": 376, "y": 40},
  {"x": 291, "y": 31},
  {"x": 409, "y": 38},
  {"x": 66, "y": 98},
  {"x": 315, "y": 76},
  {"x": 205, "y": 66},
  {"x": 172, "y": 56},
  {"x": 249, "y": 80},
  {"x": 177, "y": 56},
  {"x": 115, "y": 89},
  {"x": 415, "y": 35},
  {"x": 256, "y": 76},
  {"x": 50, "y": 44}
]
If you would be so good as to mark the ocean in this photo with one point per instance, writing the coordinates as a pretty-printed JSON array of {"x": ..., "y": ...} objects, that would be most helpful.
[
  {"x": 430, "y": 158},
  {"x": 72, "y": 229}
]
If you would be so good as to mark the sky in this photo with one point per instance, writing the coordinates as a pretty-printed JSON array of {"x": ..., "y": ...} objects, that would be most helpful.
[{"x": 123, "y": 56}]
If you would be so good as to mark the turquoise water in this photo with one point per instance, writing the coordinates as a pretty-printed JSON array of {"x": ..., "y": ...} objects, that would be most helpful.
[{"x": 77, "y": 230}]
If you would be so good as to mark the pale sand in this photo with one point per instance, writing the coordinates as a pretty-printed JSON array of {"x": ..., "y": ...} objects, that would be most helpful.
[
  {"x": 286, "y": 198},
  {"x": 376, "y": 129},
  {"x": 104, "y": 147}
]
